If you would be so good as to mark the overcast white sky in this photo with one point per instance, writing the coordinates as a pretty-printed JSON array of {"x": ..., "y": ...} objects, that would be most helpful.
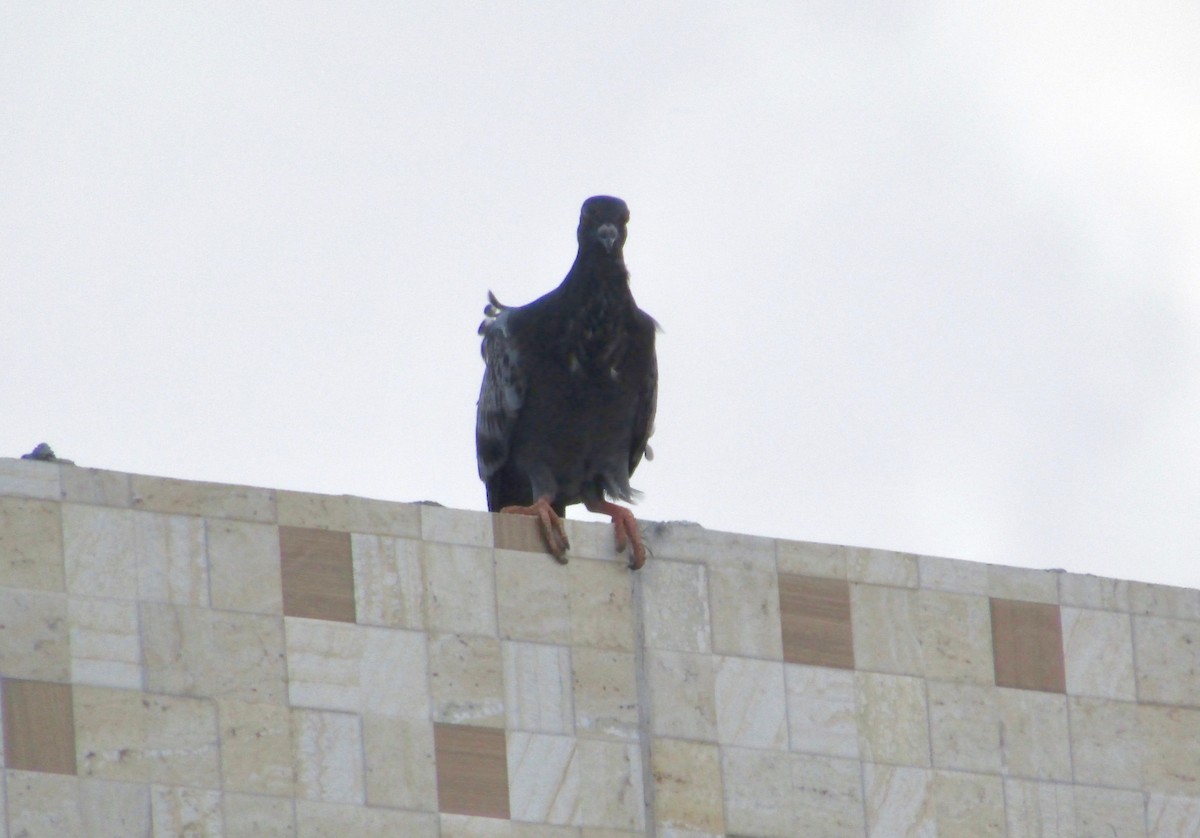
[{"x": 929, "y": 273}]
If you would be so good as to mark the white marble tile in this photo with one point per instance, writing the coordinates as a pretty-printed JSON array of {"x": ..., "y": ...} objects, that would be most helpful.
[
  {"x": 1086, "y": 591},
  {"x": 319, "y": 819},
  {"x": 348, "y": 513},
  {"x": 252, "y": 816},
  {"x": 172, "y": 558},
  {"x": 359, "y": 669},
  {"x": 182, "y": 811},
  {"x": 466, "y": 679},
  {"x": 822, "y": 717},
  {"x": 682, "y": 695},
  {"x": 100, "y": 551},
  {"x": 675, "y": 606},
  {"x": 328, "y": 756},
  {"x": 389, "y": 581},
  {"x": 256, "y": 748},
  {"x": 34, "y": 641},
  {"x": 758, "y": 792},
  {"x": 1105, "y": 747},
  {"x": 243, "y": 566},
  {"x": 685, "y": 541},
  {"x": 400, "y": 764},
  {"x": 1035, "y": 738},
  {"x": 965, "y": 730},
  {"x": 899, "y": 801},
  {"x": 538, "y": 688},
  {"x": 1164, "y": 601},
  {"x": 601, "y": 605},
  {"x": 1168, "y": 660},
  {"x": 1039, "y": 810},
  {"x": 455, "y": 526},
  {"x": 886, "y": 629},
  {"x": 827, "y": 795},
  {"x": 543, "y": 778},
  {"x": 460, "y": 589},
  {"x": 953, "y": 575},
  {"x": 29, "y": 478},
  {"x": 955, "y": 632},
  {"x": 968, "y": 805},
  {"x": 1098, "y": 653},
  {"x": 751, "y": 703},
  {"x": 806, "y": 558},
  {"x": 1168, "y": 816},
  {"x": 745, "y": 612},
  {"x": 892, "y": 719},
  {"x": 611, "y": 796},
  {"x": 1023, "y": 583},
  {"x": 532, "y": 600},
  {"x": 1105, "y": 812},
  {"x": 687, "y": 788},
  {"x": 31, "y": 548},
  {"x": 605, "y": 693},
  {"x": 1170, "y": 758},
  {"x": 106, "y": 645},
  {"x": 881, "y": 567}
]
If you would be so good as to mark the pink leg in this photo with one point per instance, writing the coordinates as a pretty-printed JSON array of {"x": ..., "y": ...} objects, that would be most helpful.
[
  {"x": 553, "y": 531},
  {"x": 625, "y": 529}
]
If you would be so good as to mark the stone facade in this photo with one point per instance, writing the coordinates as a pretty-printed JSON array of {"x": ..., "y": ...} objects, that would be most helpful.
[{"x": 182, "y": 658}]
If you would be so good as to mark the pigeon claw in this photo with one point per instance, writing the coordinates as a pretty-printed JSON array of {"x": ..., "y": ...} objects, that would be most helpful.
[
  {"x": 554, "y": 532},
  {"x": 626, "y": 530}
]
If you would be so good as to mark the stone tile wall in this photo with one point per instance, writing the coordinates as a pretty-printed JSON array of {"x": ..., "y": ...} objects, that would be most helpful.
[{"x": 180, "y": 658}]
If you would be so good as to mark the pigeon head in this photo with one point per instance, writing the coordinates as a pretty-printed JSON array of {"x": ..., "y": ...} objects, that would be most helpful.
[{"x": 602, "y": 224}]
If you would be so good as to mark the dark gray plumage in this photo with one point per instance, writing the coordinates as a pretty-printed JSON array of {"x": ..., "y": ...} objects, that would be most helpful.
[{"x": 569, "y": 393}]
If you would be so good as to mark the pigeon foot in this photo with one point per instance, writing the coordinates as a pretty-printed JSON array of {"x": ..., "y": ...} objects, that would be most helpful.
[
  {"x": 625, "y": 529},
  {"x": 554, "y": 533}
]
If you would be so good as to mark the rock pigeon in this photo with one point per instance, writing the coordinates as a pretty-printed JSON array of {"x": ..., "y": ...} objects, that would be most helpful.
[{"x": 569, "y": 390}]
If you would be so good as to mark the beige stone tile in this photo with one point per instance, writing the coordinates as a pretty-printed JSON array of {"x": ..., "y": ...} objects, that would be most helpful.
[
  {"x": 316, "y": 819},
  {"x": 685, "y": 541},
  {"x": 596, "y": 540},
  {"x": 601, "y": 605},
  {"x": 243, "y": 566},
  {"x": 965, "y": 731},
  {"x": 96, "y": 486},
  {"x": 881, "y": 567},
  {"x": 1039, "y": 810},
  {"x": 892, "y": 719},
  {"x": 953, "y": 575},
  {"x": 745, "y": 612},
  {"x": 538, "y": 830},
  {"x": 1107, "y": 812},
  {"x": 806, "y": 558},
  {"x": 886, "y": 629},
  {"x": 1164, "y": 601},
  {"x": 682, "y": 695},
  {"x": 389, "y": 582},
  {"x": 955, "y": 633},
  {"x": 358, "y": 669},
  {"x": 538, "y": 688},
  {"x": 29, "y": 479},
  {"x": 31, "y": 547},
  {"x": 171, "y": 557},
  {"x": 1023, "y": 583},
  {"x": 348, "y": 513},
  {"x": 758, "y": 793},
  {"x": 1168, "y": 816},
  {"x": 532, "y": 598},
  {"x": 1170, "y": 758},
  {"x": 54, "y": 805},
  {"x": 1105, "y": 743},
  {"x": 256, "y": 748},
  {"x": 675, "y": 606},
  {"x": 605, "y": 694},
  {"x": 1098, "y": 653},
  {"x": 106, "y": 644},
  {"x": 400, "y": 770},
  {"x": 612, "y": 786},
  {"x": 100, "y": 551},
  {"x": 460, "y": 589},
  {"x": 251, "y": 816},
  {"x": 687, "y": 787},
  {"x": 827, "y": 793},
  {"x": 184, "y": 811},
  {"x": 210, "y": 500},
  {"x": 1081, "y": 590},
  {"x": 543, "y": 778},
  {"x": 200, "y": 652},
  {"x": 327, "y": 753},
  {"x": 822, "y": 718},
  {"x": 1168, "y": 660},
  {"x": 455, "y": 526},
  {"x": 899, "y": 800},
  {"x": 139, "y": 737},
  {"x": 1035, "y": 740},
  {"x": 468, "y": 826},
  {"x": 751, "y": 703},
  {"x": 968, "y": 805},
  {"x": 34, "y": 643},
  {"x": 466, "y": 677}
]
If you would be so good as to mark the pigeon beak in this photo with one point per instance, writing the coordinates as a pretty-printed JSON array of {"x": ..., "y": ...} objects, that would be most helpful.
[{"x": 607, "y": 234}]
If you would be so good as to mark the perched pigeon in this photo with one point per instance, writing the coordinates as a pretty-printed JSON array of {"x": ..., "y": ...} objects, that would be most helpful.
[{"x": 569, "y": 392}]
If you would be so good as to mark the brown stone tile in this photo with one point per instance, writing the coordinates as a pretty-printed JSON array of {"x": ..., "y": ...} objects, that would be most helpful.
[
  {"x": 39, "y": 726},
  {"x": 472, "y": 770},
  {"x": 318, "y": 574},
  {"x": 1027, "y": 645},
  {"x": 517, "y": 532},
  {"x": 815, "y": 614}
]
